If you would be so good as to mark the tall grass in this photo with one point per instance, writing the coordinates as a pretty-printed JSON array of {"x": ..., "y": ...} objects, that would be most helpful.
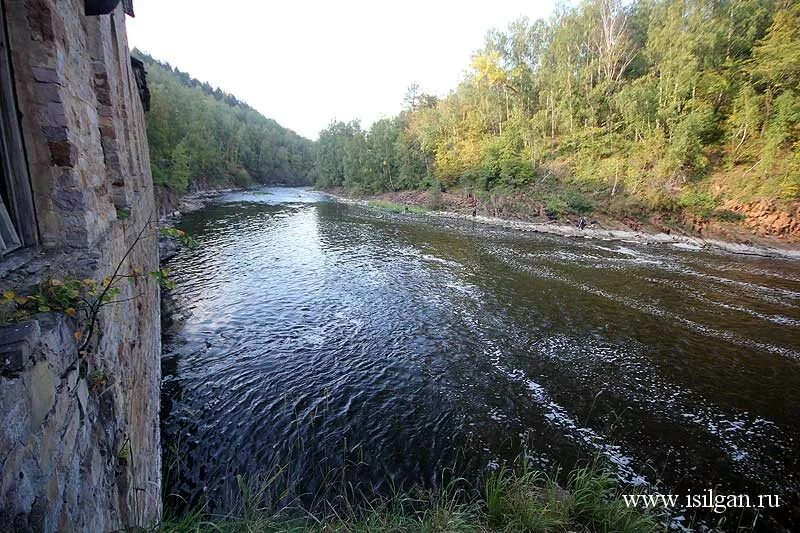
[{"x": 511, "y": 499}]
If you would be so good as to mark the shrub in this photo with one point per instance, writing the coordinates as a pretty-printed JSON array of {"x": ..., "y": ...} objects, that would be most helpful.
[
  {"x": 576, "y": 202},
  {"x": 240, "y": 177},
  {"x": 556, "y": 206},
  {"x": 689, "y": 137},
  {"x": 698, "y": 203},
  {"x": 435, "y": 197}
]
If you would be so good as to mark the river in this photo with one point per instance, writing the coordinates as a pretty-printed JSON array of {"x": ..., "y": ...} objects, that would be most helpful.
[{"x": 330, "y": 341}]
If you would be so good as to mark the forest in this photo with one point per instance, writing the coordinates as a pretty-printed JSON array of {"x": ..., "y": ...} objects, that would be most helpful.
[
  {"x": 202, "y": 137},
  {"x": 626, "y": 108}
]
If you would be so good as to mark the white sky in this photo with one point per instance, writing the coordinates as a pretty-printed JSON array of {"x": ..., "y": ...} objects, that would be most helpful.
[{"x": 306, "y": 62}]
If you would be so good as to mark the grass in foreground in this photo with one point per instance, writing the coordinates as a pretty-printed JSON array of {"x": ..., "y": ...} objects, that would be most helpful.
[{"x": 509, "y": 501}]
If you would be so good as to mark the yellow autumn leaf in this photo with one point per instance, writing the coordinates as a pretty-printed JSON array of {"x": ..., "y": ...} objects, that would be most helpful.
[
  {"x": 87, "y": 282},
  {"x": 9, "y": 295},
  {"x": 78, "y": 335},
  {"x": 70, "y": 311}
]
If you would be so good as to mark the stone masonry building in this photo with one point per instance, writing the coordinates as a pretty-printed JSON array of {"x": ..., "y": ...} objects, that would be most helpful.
[{"x": 79, "y": 432}]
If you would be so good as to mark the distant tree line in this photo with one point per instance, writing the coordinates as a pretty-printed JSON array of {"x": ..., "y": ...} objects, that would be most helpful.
[
  {"x": 651, "y": 104},
  {"x": 202, "y": 135}
]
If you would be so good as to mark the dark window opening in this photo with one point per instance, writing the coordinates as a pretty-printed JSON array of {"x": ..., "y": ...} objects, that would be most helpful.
[
  {"x": 5, "y": 194},
  {"x": 94, "y": 8},
  {"x": 17, "y": 217},
  {"x": 9, "y": 238}
]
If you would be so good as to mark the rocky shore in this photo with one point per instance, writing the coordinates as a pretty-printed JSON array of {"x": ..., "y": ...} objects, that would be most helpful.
[
  {"x": 172, "y": 205},
  {"x": 596, "y": 231}
]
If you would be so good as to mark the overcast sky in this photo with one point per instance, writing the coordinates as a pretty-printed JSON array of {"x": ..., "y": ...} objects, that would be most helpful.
[{"x": 305, "y": 63}]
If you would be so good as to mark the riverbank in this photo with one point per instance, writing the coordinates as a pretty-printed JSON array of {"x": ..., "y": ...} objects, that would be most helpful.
[
  {"x": 461, "y": 207},
  {"x": 171, "y": 204}
]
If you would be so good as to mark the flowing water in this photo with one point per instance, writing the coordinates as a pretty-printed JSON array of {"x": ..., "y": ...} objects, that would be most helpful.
[{"x": 325, "y": 338}]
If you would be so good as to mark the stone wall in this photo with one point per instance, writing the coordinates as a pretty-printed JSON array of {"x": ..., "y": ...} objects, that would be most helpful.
[{"x": 79, "y": 436}]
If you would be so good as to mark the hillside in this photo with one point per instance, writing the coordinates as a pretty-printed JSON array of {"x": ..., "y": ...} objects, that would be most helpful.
[
  {"x": 664, "y": 113},
  {"x": 201, "y": 137}
]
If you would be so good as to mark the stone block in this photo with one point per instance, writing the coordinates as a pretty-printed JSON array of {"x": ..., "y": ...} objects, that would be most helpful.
[
  {"x": 69, "y": 440},
  {"x": 69, "y": 200},
  {"x": 14, "y": 423},
  {"x": 42, "y": 391},
  {"x": 47, "y": 93},
  {"x": 53, "y": 114},
  {"x": 45, "y": 75},
  {"x": 62, "y": 153},
  {"x": 16, "y": 343},
  {"x": 58, "y": 345},
  {"x": 14, "y": 357},
  {"x": 83, "y": 396}
]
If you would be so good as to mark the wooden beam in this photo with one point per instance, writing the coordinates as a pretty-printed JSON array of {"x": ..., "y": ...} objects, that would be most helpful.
[{"x": 94, "y": 8}]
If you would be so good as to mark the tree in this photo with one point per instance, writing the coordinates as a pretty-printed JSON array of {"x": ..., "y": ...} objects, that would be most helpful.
[{"x": 629, "y": 102}]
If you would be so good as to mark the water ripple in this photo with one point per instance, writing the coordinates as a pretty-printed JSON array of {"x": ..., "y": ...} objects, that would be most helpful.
[{"x": 331, "y": 340}]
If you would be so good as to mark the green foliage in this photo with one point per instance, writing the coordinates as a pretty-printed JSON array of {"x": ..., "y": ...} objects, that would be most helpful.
[
  {"x": 777, "y": 56},
  {"x": 699, "y": 203},
  {"x": 198, "y": 134},
  {"x": 556, "y": 206},
  {"x": 567, "y": 201},
  {"x": 181, "y": 169},
  {"x": 790, "y": 185},
  {"x": 783, "y": 125},
  {"x": 690, "y": 134},
  {"x": 386, "y": 158},
  {"x": 73, "y": 297},
  {"x": 576, "y": 202},
  {"x": 162, "y": 276},
  {"x": 178, "y": 235},
  {"x": 502, "y": 166},
  {"x": 631, "y": 101},
  {"x": 79, "y": 299}
]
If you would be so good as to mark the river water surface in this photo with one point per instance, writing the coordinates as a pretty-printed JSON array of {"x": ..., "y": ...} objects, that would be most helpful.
[{"x": 336, "y": 342}]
